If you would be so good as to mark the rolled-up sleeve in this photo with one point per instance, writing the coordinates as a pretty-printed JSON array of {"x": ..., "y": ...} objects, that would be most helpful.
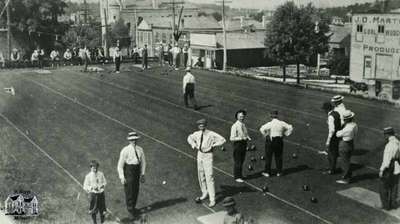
[
  {"x": 121, "y": 163},
  {"x": 265, "y": 129},
  {"x": 288, "y": 129},
  {"x": 218, "y": 140},
  {"x": 191, "y": 140}
]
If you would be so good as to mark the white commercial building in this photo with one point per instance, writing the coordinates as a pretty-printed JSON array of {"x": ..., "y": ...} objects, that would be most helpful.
[{"x": 375, "y": 53}]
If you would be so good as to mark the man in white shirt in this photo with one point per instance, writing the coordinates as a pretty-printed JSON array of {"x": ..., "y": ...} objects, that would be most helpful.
[
  {"x": 274, "y": 132},
  {"x": 67, "y": 57},
  {"x": 117, "y": 59},
  {"x": 188, "y": 87},
  {"x": 204, "y": 141},
  {"x": 346, "y": 145},
  {"x": 2, "y": 60},
  {"x": 339, "y": 107},
  {"x": 131, "y": 170},
  {"x": 175, "y": 52},
  {"x": 94, "y": 185},
  {"x": 390, "y": 170},
  {"x": 332, "y": 142},
  {"x": 239, "y": 138},
  {"x": 55, "y": 57}
]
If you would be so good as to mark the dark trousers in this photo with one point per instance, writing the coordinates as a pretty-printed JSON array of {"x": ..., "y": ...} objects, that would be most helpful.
[
  {"x": 117, "y": 64},
  {"x": 131, "y": 187},
  {"x": 273, "y": 147},
  {"x": 185, "y": 60},
  {"x": 144, "y": 62},
  {"x": 333, "y": 153},
  {"x": 97, "y": 204},
  {"x": 388, "y": 191},
  {"x": 135, "y": 58},
  {"x": 345, "y": 151},
  {"x": 189, "y": 94},
  {"x": 239, "y": 155}
]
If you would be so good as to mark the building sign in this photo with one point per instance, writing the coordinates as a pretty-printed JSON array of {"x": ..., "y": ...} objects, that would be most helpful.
[
  {"x": 205, "y": 40},
  {"x": 376, "y": 49},
  {"x": 377, "y": 20}
]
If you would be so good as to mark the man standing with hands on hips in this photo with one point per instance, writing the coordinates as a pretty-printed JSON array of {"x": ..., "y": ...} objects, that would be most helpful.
[
  {"x": 131, "y": 170},
  {"x": 274, "y": 131},
  {"x": 239, "y": 137},
  {"x": 205, "y": 141}
]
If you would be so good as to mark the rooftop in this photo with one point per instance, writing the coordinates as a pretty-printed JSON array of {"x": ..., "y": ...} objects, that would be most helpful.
[
  {"x": 191, "y": 23},
  {"x": 240, "y": 41},
  {"x": 339, "y": 33}
]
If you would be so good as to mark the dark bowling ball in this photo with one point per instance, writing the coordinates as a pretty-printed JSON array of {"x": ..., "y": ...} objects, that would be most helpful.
[
  {"x": 314, "y": 200},
  {"x": 265, "y": 189},
  {"x": 250, "y": 167},
  {"x": 306, "y": 187},
  {"x": 294, "y": 156},
  {"x": 262, "y": 157}
]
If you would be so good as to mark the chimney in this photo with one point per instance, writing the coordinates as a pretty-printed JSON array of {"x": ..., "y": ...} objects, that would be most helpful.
[
  {"x": 264, "y": 22},
  {"x": 241, "y": 22}
]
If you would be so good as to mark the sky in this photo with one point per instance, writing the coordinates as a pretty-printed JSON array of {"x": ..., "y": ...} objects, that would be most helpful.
[{"x": 272, "y": 4}]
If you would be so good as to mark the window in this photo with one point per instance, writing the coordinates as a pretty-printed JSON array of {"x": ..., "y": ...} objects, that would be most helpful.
[
  {"x": 380, "y": 38},
  {"x": 359, "y": 28},
  {"x": 367, "y": 67},
  {"x": 381, "y": 29}
]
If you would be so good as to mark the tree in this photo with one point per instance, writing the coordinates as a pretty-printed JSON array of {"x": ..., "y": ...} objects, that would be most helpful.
[
  {"x": 82, "y": 35},
  {"x": 257, "y": 16},
  {"x": 217, "y": 16},
  {"x": 120, "y": 32},
  {"x": 295, "y": 34},
  {"x": 34, "y": 22},
  {"x": 338, "y": 64}
]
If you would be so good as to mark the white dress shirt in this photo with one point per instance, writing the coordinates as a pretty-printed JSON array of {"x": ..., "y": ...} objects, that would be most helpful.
[
  {"x": 340, "y": 109},
  {"x": 94, "y": 182},
  {"x": 67, "y": 55},
  {"x": 188, "y": 78},
  {"x": 210, "y": 140},
  {"x": 348, "y": 132},
  {"x": 130, "y": 157},
  {"x": 239, "y": 132},
  {"x": 392, "y": 150},
  {"x": 117, "y": 54},
  {"x": 276, "y": 128}
]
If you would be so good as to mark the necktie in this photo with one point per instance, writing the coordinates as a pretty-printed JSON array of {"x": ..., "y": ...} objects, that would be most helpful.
[{"x": 201, "y": 141}]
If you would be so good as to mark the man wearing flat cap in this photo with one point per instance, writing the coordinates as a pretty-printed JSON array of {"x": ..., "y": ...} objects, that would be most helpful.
[
  {"x": 239, "y": 138},
  {"x": 205, "y": 141},
  {"x": 390, "y": 169},
  {"x": 189, "y": 83},
  {"x": 346, "y": 145},
  {"x": 337, "y": 102},
  {"x": 274, "y": 132},
  {"x": 332, "y": 142},
  {"x": 131, "y": 170},
  {"x": 232, "y": 215}
]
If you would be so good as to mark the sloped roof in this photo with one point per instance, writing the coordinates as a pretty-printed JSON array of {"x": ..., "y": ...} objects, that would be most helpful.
[
  {"x": 240, "y": 41},
  {"x": 232, "y": 25},
  {"x": 339, "y": 33},
  {"x": 191, "y": 23}
]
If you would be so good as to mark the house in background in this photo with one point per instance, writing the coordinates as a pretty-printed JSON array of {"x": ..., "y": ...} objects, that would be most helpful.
[
  {"x": 243, "y": 49},
  {"x": 340, "y": 38},
  {"x": 153, "y": 30}
]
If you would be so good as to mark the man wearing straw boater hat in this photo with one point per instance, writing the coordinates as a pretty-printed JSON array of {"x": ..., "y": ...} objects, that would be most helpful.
[
  {"x": 131, "y": 170},
  {"x": 232, "y": 215},
  {"x": 337, "y": 102},
  {"x": 390, "y": 170},
  {"x": 346, "y": 144},
  {"x": 204, "y": 141}
]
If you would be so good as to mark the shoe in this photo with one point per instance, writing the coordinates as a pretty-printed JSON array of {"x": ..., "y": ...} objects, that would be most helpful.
[
  {"x": 198, "y": 200},
  {"x": 211, "y": 204},
  {"x": 342, "y": 181},
  {"x": 265, "y": 174},
  {"x": 279, "y": 174},
  {"x": 239, "y": 180}
]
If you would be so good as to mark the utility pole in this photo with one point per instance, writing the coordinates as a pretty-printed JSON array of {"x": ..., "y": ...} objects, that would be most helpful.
[
  {"x": 174, "y": 3},
  {"x": 8, "y": 30},
  {"x": 225, "y": 61},
  {"x": 85, "y": 12}
]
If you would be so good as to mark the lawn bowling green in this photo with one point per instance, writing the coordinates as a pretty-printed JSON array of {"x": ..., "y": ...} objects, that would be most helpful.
[{"x": 65, "y": 134}]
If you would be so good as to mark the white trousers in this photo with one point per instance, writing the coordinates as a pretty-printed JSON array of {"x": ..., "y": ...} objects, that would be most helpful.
[{"x": 206, "y": 174}]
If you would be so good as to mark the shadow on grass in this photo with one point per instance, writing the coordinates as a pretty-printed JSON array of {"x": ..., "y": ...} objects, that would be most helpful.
[
  {"x": 365, "y": 176},
  {"x": 163, "y": 204},
  {"x": 227, "y": 190},
  {"x": 296, "y": 169},
  {"x": 360, "y": 152},
  {"x": 204, "y": 106}
]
